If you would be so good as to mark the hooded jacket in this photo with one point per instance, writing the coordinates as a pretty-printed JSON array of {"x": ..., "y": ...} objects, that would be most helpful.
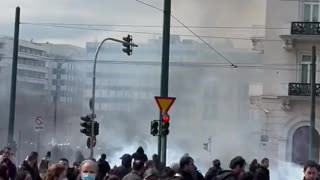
[
  {"x": 104, "y": 168},
  {"x": 139, "y": 155}
]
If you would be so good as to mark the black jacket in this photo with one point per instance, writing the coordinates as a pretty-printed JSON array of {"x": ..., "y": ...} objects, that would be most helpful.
[
  {"x": 139, "y": 155},
  {"x": 212, "y": 172},
  {"x": 11, "y": 168},
  {"x": 120, "y": 171},
  {"x": 199, "y": 175},
  {"x": 104, "y": 168},
  {"x": 226, "y": 175},
  {"x": 181, "y": 175},
  {"x": 262, "y": 173},
  {"x": 34, "y": 172},
  {"x": 72, "y": 173}
]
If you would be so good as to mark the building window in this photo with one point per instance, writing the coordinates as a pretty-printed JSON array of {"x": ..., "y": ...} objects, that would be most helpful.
[
  {"x": 311, "y": 11},
  {"x": 31, "y": 74},
  {"x": 306, "y": 68},
  {"x": 1, "y": 45}
]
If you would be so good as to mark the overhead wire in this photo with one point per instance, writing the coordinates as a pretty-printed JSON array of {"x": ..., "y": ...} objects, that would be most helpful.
[
  {"x": 279, "y": 67},
  {"x": 157, "y": 26},
  {"x": 203, "y": 41},
  {"x": 150, "y": 33},
  {"x": 66, "y": 25}
]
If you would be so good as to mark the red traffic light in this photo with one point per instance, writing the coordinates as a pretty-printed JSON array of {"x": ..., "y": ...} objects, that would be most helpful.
[{"x": 166, "y": 118}]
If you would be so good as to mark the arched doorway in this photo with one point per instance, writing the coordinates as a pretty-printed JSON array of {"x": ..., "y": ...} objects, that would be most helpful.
[{"x": 300, "y": 145}]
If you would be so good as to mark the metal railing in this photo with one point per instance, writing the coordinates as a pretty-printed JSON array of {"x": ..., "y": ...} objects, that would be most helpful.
[
  {"x": 305, "y": 28},
  {"x": 301, "y": 89}
]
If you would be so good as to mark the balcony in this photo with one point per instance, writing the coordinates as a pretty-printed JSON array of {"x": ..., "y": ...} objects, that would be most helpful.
[
  {"x": 305, "y": 28},
  {"x": 302, "y": 32},
  {"x": 301, "y": 89}
]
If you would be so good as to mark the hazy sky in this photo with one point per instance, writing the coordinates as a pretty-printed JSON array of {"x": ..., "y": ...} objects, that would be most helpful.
[{"x": 191, "y": 12}]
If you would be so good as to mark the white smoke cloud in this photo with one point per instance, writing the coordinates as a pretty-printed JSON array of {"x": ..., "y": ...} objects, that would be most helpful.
[{"x": 286, "y": 170}]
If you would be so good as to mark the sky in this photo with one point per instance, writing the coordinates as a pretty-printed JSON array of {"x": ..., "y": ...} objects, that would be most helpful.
[{"x": 190, "y": 12}]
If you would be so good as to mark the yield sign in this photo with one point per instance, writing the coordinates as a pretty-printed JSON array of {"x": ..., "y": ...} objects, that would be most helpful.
[{"x": 164, "y": 103}]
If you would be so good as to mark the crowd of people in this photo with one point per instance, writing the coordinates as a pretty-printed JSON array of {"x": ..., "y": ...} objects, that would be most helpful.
[{"x": 135, "y": 166}]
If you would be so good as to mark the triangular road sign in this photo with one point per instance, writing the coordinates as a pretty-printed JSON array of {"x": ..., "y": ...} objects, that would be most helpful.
[{"x": 164, "y": 103}]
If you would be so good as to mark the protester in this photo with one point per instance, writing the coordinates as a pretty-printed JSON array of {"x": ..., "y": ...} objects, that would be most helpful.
[
  {"x": 56, "y": 172},
  {"x": 4, "y": 175},
  {"x": 140, "y": 155},
  {"x": 104, "y": 167},
  {"x": 214, "y": 170},
  {"x": 8, "y": 161},
  {"x": 88, "y": 170},
  {"x": 310, "y": 170},
  {"x": 262, "y": 173},
  {"x": 137, "y": 171},
  {"x": 237, "y": 166},
  {"x": 187, "y": 169},
  {"x": 44, "y": 164},
  {"x": 30, "y": 165},
  {"x": 125, "y": 167}
]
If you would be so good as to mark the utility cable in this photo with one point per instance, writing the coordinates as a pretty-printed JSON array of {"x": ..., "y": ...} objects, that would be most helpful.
[
  {"x": 151, "y": 33},
  {"x": 210, "y": 46},
  {"x": 157, "y": 26}
]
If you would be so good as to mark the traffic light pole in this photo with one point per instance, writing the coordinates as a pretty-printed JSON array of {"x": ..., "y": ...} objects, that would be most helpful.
[
  {"x": 165, "y": 72},
  {"x": 94, "y": 87},
  {"x": 14, "y": 77}
]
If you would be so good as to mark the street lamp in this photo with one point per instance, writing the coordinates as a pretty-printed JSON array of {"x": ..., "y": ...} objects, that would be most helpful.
[{"x": 92, "y": 104}]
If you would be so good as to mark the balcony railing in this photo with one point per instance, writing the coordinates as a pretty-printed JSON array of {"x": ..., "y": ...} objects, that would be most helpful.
[
  {"x": 301, "y": 89},
  {"x": 305, "y": 28}
]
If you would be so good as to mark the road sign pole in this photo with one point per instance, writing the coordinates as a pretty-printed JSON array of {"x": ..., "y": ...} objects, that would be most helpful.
[{"x": 38, "y": 142}]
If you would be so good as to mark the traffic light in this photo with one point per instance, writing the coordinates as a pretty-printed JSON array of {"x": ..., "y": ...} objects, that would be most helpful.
[
  {"x": 165, "y": 124},
  {"x": 96, "y": 128},
  {"x": 128, "y": 47},
  {"x": 154, "y": 127},
  {"x": 86, "y": 125}
]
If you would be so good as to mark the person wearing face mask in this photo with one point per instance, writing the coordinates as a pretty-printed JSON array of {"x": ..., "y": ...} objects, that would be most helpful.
[
  {"x": 137, "y": 171},
  {"x": 56, "y": 172},
  {"x": 88, "y": 170},
  {"x": 30, "y": 165}
]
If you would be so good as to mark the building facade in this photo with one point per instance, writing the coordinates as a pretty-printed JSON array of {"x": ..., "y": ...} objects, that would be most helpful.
[
  {"x": 280, "y": 104},
  {"x": 40, "y": 67}
]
